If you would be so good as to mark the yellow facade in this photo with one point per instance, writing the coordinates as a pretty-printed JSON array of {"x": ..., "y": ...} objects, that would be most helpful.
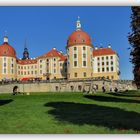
[
  {"x": 77, "y": 54},
  {"x": 79, "y": 63},
  {"x": 8, "y": 68}
]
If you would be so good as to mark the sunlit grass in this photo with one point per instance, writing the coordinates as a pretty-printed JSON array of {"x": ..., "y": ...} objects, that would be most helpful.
[{"x": 47, "y": 113}]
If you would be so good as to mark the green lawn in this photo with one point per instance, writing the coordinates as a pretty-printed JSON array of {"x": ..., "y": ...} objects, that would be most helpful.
[{"x": 47, "y": 113}]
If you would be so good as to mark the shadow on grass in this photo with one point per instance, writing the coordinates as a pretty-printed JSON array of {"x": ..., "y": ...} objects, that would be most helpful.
[
  {"x": 125, "y": 94},
  {"x": 110, "y": 99},
  {"x": 80, "y": 114},
  {"x": 3, "y": 102}
]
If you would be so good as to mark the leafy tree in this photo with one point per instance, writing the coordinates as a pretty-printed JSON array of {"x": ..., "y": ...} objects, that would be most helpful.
[{"x": 134, "y": 39}]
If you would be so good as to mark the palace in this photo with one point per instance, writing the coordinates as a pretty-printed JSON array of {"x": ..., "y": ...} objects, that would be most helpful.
[{"x": 82, "y": 61}]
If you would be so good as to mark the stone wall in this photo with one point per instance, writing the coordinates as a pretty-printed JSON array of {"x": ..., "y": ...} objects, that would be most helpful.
[{"x": 68, "y": 86}]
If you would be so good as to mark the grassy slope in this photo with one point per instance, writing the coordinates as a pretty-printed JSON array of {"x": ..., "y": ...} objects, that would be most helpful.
[{"x": 70, "y": 113}]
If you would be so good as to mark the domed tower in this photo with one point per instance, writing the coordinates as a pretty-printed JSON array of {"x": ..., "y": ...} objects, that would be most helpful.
[
  {"x": 7, "y": 61},
  {"x": 79, "y": 50}
]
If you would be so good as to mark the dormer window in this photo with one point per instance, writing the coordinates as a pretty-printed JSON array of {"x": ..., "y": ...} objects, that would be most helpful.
[
  {"x": 83, "y": 40},
  {"x": 74, "y": 41},
  {"x": 79, "y": 36}
]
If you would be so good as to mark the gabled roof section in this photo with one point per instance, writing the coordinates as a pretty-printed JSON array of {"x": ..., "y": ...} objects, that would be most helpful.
[
  {"x": 103, "y": 51},
  {"x": 54, "y": 53}
]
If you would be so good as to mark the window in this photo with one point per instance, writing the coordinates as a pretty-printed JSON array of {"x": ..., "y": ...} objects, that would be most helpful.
[
  {"x": 12, "y": 71},
  {"x": 28, "y": 72},
  {"x": 85, "y": 74},
  {"x": 112, "y": 69},
  {"x": 75, "y": 48},
  {"x": 84, "y": 48},
  {"x": 40, "y": 66},
  {"x": 25, "y": 67},
  {"x": 107, "y": 63},
  {"x": 32, "y": 67},
  {"x": 4, "y": 64},
  {"x": 83, "y": 40},
  {"x": 21, "y": 67},
  {"x": 60, "y": 64},
  {"x": 19, "y": 72},
  {"x": 111, "y": 57},
  {"x": 28, "y": 67},
  {"x": 18, "y": 67},
  {"x": 75, "y": 41},
  {"x": 107, "y": 69},
  {"x": 98, "y": 58},
  {"x": 111, "y": 62},
  {"x": 12, "y": 65},
  {"x": 4, "y": 71},
  {"x": 75, "y": 55},
  {"x": 102, "y": 58},
  {"x": 75, "y": 74},
  {"x": 103, "y": 69},
  {"x": 35, "y": 72},
  {"x": 40, "y": 71},
  {"x": 54, "y": 70},
  {"x": 54, "y": 65},
  {"x": 84, "y": 63},
  {"x": 98, "y": 64},
  {"x": 112, "y": 77},
  {"x": 24, "y": 72},
  {"x": 40, "y": 61},
  {"x": 107, "y": 77},
  {"x": 103, "y": 63},
  {"x": 98, "y": 69},
  {"x": 67, "y": 51},
  {"x": 54, "y": 59},
  {"x": 47, "y": 60},
  {"x": 106, "y": 57},
  {"x": 84, "y": 55},
  {"x": 32, "y": 72},
  {"x": 75, "y": 63}
]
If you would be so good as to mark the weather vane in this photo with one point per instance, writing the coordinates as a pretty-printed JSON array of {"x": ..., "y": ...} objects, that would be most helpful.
[{"x": 5, "y": 33}]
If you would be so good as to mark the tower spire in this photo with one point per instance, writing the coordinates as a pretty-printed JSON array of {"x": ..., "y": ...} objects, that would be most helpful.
[
  {"x": 78, "y": 24},
  {"x": 25, "y": 53}
]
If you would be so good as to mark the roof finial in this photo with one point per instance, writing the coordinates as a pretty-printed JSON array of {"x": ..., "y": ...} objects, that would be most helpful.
[
  {"x": 5, "y": 33},
  {"x": 78, "y": 24},
  {"x": 25, "y": 44},
  {"x": 5, "y": 37}
]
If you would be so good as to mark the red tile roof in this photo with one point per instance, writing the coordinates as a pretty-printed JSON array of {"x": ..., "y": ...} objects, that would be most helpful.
[
  {"x": 26, "y": 61},
  {"x": 54, "y": 53},
  {"x": 103, "y": 51},
  {"x": 7, "y": 50},
  {"x": 79, "y": 37}
]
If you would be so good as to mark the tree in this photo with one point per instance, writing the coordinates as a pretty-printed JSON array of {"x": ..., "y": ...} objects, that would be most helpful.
[{"x": 134, "y": 40}]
